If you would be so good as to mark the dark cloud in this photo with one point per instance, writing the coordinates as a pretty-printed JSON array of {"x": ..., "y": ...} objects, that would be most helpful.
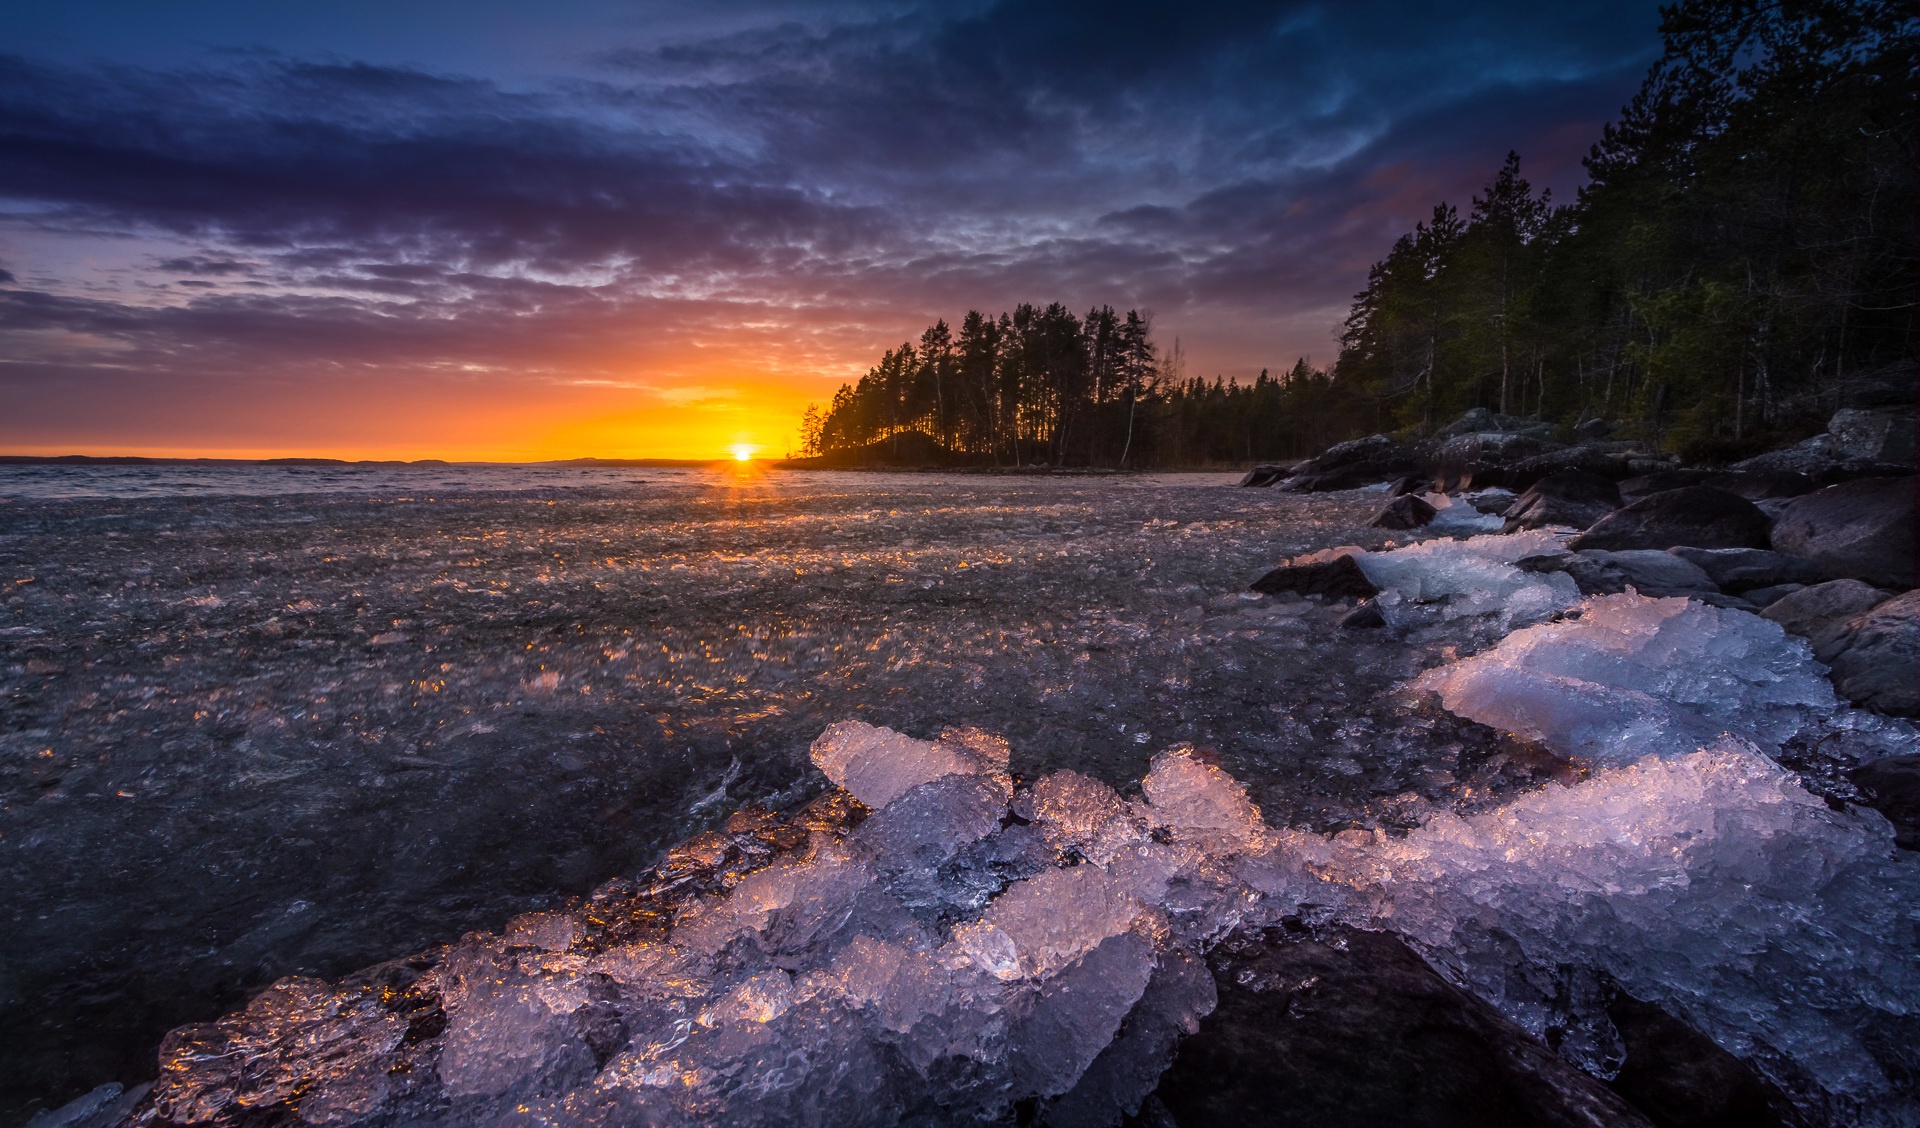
[{"x": 1219, "y": 162}]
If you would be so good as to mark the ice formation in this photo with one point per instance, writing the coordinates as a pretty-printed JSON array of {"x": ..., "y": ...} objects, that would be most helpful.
[
  {"x": 1635, "y": 676},
  {"x": 959, "y": 949},
  {"x": 1450, "y": 579}
]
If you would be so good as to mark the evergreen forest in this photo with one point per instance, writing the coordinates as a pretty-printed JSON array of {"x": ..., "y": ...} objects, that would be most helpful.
[{"x": 1740, "y": 263}]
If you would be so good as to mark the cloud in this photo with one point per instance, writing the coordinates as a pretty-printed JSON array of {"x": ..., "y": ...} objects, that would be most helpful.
[{"x": 799, "y": 187}]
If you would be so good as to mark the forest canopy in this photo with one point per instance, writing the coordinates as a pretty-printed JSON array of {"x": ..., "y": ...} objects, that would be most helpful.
[{"x": 1740, "y": 263}]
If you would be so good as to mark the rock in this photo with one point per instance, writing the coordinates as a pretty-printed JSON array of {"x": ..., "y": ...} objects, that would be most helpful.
[
  {"x": 1692, "y": 515},
  {"x": 1768, "y": 596},
  {"x": 1574, "y": 498},
  {"x": 1264, "y": 476},
  {"x": 1682, "y": 1079},
  {"x": 1857, "y": 444},
  {"x": 1654, "y": 572},
  {"x": 1660, "y": 481},
  {"x": 1892, "y": 783},
  {"x": 1612, "y": 461},
  {"x": 1593, "y": 429},
  {"x": 1860, "y": 530},
  {"x": 1495, "y": 501},
  {"x": 1484, "y": 458},
  {"x": 1360, "y": 462},
  {"x": 1364, "y": 617},
  {"x": 1339, "y": 578},
  {"x": 1758, "y": 485},
  {"x": 1872, "y": 436},
  {"x": 1816, "y": 613},
  {"x": 1876, "y": 656},
  {"x": 1356, "y": 1030},
  {"x": 1407, "y": 512},
  {"x": 1408, "y": 484},
  {"x": 1744, "y": 569},
  {"x": 1587, "y": 573}
]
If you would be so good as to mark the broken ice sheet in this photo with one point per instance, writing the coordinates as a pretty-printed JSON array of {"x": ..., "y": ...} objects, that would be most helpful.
[{"x": 1635, "y": 675}]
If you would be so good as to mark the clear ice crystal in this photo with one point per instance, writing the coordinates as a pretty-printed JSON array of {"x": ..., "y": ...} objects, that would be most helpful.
[{"x": 878, "y": 765}]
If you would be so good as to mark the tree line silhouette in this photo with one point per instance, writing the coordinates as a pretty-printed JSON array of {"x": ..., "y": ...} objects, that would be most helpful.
[{"x": 1740, "y": 263}]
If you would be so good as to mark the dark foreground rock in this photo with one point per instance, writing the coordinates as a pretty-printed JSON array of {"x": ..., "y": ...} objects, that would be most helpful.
[
  {"x": 1405, "y": 512},
  {"x": 1700, "y": 516},
  {"x": 1681, "y": 1079},
  {"x": 1339, "y": 578},
  {"x": 1357, "y": 1030},
  {"x": 1876, "y": 656},
  {"x": 1861, "y": 530},
  {"x": 1360, "y": 462},
  {"x": 1653, "y": 572},
  {"x": 1574, "y": 498},
  {"x": 1264, "y": 476},
  {"x": 1892, "y": 784}
]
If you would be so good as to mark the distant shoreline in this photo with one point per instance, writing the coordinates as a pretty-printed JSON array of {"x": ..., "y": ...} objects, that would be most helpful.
[{"x": 143, "y": 460}]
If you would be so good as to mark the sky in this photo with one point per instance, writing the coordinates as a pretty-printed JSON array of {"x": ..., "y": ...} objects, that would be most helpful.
[{"x": 489, "y": 229}]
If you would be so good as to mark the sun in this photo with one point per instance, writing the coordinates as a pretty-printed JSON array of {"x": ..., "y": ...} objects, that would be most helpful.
[{"x": 742, "y": 452}]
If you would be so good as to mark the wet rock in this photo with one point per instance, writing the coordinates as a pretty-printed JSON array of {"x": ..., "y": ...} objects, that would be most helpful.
[
  {"x": 1339, "y": 578},
  {"x": 1407, "y": 484},
  {"x": 1681, "y": 1079},
  {"x": 1654, "y": 572},
  {"x": 1861, "y": 530},
  {"x": 1744, "y": 569},
  {"x": 1876, "y": 656},
  {"x": 1574, "y": 498},
  {"x": 1264, "y": 476},
  {"x": 1816, "y": 613},
  {"x": 1356, "y": 1029},
  {"x": 1406, "y": 512},
  {"x": 1692, "y": 515},
  {"x": 1892, "y": 783},
  {"x": 1364, "y": 617},
  {"x": 1495, "y": 501},
  {"x": 1348, "y": 465}
]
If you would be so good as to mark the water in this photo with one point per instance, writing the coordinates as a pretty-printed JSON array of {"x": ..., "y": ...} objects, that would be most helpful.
[{"x": 256, "y": 721}]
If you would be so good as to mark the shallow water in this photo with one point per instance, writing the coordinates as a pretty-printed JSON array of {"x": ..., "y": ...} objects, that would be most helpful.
[{"x": 256, "y": 732}]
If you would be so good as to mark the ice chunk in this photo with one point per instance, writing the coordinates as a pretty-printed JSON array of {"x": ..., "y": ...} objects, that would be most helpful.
[
  {"x": 1635, "y": 675},
  {"x": 1075, "y": 1014},
  {"x": 1071, "y": 809},
  {"x": 930, "y": 822},
  {"x": 1193, "y": 797},
  {"x": 1048, "y": 921},
  {"x": 878, "y": 765},
  {"x": 507, "y": 1030}
]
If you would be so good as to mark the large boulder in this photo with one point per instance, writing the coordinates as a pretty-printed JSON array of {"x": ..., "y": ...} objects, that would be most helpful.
[
  {"x": 1857, "y": 444},
  {"x": 1405, "y": 512},
  {"x": 1484, "y": 458},
  {"x": 1818, "y": 613},
  {"x": 1356, "y": 1030},
  {"x": 1574, "y": 498},
  {"x": 1876, "y": 656},
  {"x": 1339, "y": 578},
  {"x": 1359, "y": 462},
  {"x": 1264, "y": 476},
  {"x": 1745, "y": 569},
  {"x": 1692, "y": 515},
  {"x": 1653, "y": 572},
  {"x": 1861, "y": 530}
]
